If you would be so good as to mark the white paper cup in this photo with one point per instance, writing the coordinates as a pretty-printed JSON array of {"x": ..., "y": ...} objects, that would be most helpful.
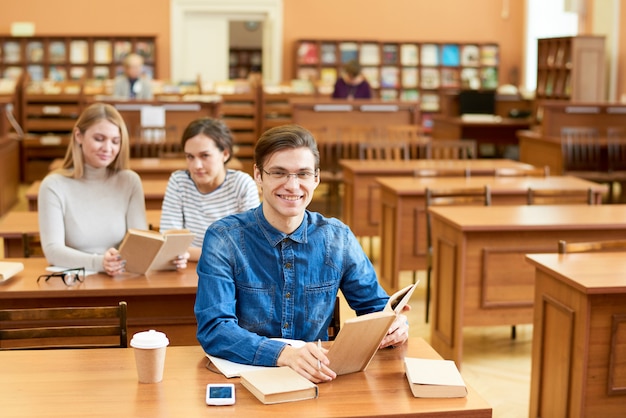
[{"x": 149, "y": 350}]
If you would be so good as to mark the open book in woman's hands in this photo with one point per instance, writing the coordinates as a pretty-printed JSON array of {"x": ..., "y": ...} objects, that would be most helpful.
[{"x": 146, "y": 250}]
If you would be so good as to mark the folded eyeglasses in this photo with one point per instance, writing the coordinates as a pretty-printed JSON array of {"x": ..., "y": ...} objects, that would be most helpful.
[{"x": 70, "y": 277}]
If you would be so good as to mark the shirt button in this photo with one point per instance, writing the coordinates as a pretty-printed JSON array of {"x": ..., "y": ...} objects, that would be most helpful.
[
  {"x": 286, "y": 325},
  {"x": 288, "y": 295},
  {"x": 288, "y": 265}
]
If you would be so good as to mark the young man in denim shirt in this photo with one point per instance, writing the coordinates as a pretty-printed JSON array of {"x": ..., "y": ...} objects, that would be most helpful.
[{"x": 275, "y": 271}]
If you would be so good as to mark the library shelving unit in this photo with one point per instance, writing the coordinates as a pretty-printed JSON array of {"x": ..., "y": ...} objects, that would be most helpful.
[
  {"x": 406, "y": 70},
  {"x": 74, "y": 57},
  {"x": 243, "y": 61},
  {"x": 571, "y": 68},
  {"x": 275, "y": 106}
]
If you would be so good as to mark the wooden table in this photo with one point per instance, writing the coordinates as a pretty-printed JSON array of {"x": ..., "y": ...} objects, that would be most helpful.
[
  {"x": 480, "y": 276},
  {"x": 153, "y": 190},
  {"x": 156, "y": 168},
  {"x": 18, "y": 227},
  {"x": 499, "y": 133},
  {"x": 159, "y": 300},
  {"x": 403, "y": 225},
  {"x": 361, "y": 197},
  {"x": 102, "y": 382},
  {"x": 579, "y": 335}
]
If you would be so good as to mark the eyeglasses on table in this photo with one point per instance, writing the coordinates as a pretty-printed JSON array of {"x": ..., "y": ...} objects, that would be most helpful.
[{"x": 70, "y": 277}]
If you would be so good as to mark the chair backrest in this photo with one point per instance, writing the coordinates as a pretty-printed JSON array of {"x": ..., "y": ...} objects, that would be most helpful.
[
  {"x": 580, "y": 148},
  {"x": 335, "y": 321},
  {"x": 559, "y": 196},
  {"x": 520, "y": 172},
  {"x": 461, "y": 196},
  {"x": 156, "y": 142},
  {"x": 453, "y": 149},
  {"x": 418, "y": 143},
  {"x": 581, "y": 247},
  {"x": 616, "y": 148},
  {"x": 70, "y": 327},
  {"x": 383, "y": 150},
  {"x": 349, "y": 137}
]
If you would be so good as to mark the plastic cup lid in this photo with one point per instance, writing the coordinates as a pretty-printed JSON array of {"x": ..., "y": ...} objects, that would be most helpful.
[{"x": 149, "y": 339}]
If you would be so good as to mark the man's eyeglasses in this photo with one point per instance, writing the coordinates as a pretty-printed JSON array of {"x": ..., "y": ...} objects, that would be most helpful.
[
  {"x": 285, "y": 175},
  {"x": 70, "y": 276}
]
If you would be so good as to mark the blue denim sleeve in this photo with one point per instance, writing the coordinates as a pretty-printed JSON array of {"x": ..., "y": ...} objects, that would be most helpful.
[
  {"x": 360, "y": 284},
  {"x": 218, "y": 331}
]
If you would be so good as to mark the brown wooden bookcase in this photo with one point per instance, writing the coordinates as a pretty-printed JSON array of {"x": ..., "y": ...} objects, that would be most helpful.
[
  {"x": 74, "y": 57},
  {"x": 404, "y": 70},
  {"x": 571, "y": 68},
  {"x": 243, "y": 61}
]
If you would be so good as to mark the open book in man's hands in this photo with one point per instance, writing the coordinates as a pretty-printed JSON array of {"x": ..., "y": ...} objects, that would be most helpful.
[
  {"x": 398, "y": 300},
  {"x": 146, "y": 250}
]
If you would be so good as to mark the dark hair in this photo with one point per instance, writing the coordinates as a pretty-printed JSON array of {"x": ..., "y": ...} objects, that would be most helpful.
[
  {"x": 352, "y": 68},
  {"x": 214, "y": 129},
  {"x": 284, "y": 137}
]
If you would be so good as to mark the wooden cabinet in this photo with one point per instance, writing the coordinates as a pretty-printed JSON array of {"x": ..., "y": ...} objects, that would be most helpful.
[
  {"x": 402, "y": 70},
  {"x": 243, "y": 61},
  {"x": 571, "y": 68},
  {"x": 51, "y": 107},
  {"x": 72, "y": 57}
]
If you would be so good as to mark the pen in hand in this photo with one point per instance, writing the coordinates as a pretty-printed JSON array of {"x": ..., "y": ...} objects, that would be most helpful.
[{"x": 319, "y": 363}]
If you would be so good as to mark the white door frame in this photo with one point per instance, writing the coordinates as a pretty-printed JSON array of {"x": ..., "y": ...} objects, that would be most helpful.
[{"x": 268, "y": 11}]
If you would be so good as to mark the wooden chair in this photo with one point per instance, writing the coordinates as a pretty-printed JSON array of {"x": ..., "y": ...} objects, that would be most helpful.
[
  {"x": 559, "y": 196},
  {"x": 580, "y": 147},
  {"x": 156, "y": 142},
  {"x": 418, "y": 144},
  {"x": 582, "y": 247},
  {"x": 442, "y": 172},
  {"x": 520, "y": 172},
  {"x": 335, "y": 321},
  {"x": 453, "y": 149},
  {"x": 448, "y": 197},
  {"x": 383, "y": 150},
  {"x": 72, "y": 327},
  {"x": 330, "y": 171},
  {"x": 616, "y": 154}
]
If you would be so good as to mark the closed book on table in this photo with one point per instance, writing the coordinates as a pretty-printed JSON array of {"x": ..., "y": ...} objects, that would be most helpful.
[
  {"x": 278, "y": 384},
  {"x": 9, "y": 269},
  {"x": 146, "y": 250},
  {"x": 429, "y": 378}
]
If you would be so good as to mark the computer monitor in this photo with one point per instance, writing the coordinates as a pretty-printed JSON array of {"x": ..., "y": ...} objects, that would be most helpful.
[{"x": 477, "y": 102}]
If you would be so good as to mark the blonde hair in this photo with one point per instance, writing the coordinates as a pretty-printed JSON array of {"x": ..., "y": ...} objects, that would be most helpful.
[{"x": 74, "y": 164}]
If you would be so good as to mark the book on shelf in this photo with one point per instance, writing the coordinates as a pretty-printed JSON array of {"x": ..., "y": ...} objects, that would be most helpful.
[
  {"x": 372, "y": 75},
  {"x": 370, "y": 54},
  {"x": 79, "y": 51},
  {"x": 450, "y": 56},
  {"x": 470, "y": 56},
  {"x": 429, "y": 102},
  {"x": 429, "y": 78},
  {"x": 410, "y": 95},
  {"x": 101, "y": 73},
  {"x": 328, "y": 75},
  {"x": 146, "y": 50},
  {"x": 56, "y": 52},
  {"x": 34, "y": 51},
  {"x": 121, "y": 49},
  {"x": 470, "y": 78},
  {"x": 57, "y": 73},
  {"x": 434, "y": 378},
  {"x": 348, "y": 51},
  {"x": 146, "y": 250},
  {"x": 388, "y": 94},
  {"x": 408, "y": 54},
  {"x": 35, "y": 72},
  {"x": 389, "y": 77},
  {"x": 102, "y": 52},
  {"x": 12, "y": 52},
  {"x": 328, "y": 53},
  {"x": 489, "y": 77},
  {"x": 308, "y": 73},
  {"x": 9, "y": 269},
  {"x": 410, "y": 77},
  {"x": 450, "y": 78},
  {"x": 12, "y": 73},
  {"x": 308, "y": 53},
  {"x": 390, "y": 54},
  {"x": 273, "y": 385},
  {"x": 489, "y": 55},
  {"x": 430, "y": 55},
  {"x": 77, "y": 73}
]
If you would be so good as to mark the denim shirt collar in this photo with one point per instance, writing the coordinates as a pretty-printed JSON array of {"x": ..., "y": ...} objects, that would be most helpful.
[{"x": 274, "y": 236}]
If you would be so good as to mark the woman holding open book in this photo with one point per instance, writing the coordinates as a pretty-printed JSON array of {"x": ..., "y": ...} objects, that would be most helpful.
[
  {"x": 86, "y": 206},
  {"x": 207, "y": 190}
]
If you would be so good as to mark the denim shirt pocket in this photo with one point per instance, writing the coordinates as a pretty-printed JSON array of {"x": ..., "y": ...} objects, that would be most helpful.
[
  {"x": 319, "y": 302},
  {"x": 259, "y": 307}
]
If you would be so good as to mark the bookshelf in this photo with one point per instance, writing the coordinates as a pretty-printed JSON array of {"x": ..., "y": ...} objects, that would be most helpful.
[
  {"x": 62, "y": 58},
  {"x": 243, "y": 61},
  {"x": 571, "y": 68},
  {"x": 405, "y": 71}
]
